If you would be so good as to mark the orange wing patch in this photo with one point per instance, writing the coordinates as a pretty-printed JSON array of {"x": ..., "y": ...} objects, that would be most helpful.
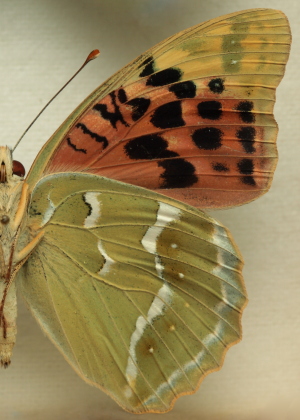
[
  {"x": 194, "y": 122},
  {"x": 185, "y": 139}
]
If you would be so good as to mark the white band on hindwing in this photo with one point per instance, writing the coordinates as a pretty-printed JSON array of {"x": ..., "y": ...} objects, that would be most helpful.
[
  {"x": 92, "y": 200},
  {"x": 166, "y": 214}
]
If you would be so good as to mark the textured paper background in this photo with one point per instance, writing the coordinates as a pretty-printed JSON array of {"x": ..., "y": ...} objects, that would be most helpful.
[{"x": 41, "y": 44}]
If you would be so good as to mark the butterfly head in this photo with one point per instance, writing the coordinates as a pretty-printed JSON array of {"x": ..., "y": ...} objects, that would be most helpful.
[{"x": 11, "y": 171}]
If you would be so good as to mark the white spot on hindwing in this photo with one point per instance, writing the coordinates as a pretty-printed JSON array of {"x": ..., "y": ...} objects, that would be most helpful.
[
  {"x": 92, "y": 200},
  {"x": 127, "y": 392},
  {"x": 49, "y": 212},
  {"x": 220, "y": 239},
  {"x": 166, "y": 214},
  {"x": 108, "y": 260}
]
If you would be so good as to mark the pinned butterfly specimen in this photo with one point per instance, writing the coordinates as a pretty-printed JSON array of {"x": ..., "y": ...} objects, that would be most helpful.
[{"x": 142, "y": 293}]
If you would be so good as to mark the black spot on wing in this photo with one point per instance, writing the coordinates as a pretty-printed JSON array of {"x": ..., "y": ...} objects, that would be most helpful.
[
  {"x": 33, "y": 211},
  {"x": 150, "y": 146},
  {"x": 112, "y": 117},
  {"x": 168, "y": 115},
  {"x": 220, "y": 167},
  {"x": 248, "y": 180},
  {"x": 178, "y": 173},
  {"x": 216, "y": 85},
  {"x": 184, "y": 89},
  {"x": 246, "y": 167},
  {"x": 146, "y": 61},
  {"x": 246, "y": 135},
  {"x": 122, "y": 96},
  {"x": 164, "y": 77},
  {"x": 74, "y": 147},
  {"x": 210, "y": 110},
  {"x": 149, "y": 67},
  {"x": 245, "y": 111},
  {"x": 139, "y": 107},
  {"x": 95, "y": 136},
  {"x": 208, "y": 138}
]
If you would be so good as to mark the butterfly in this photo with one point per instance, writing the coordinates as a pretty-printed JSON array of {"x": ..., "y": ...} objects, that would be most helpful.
[{"x": 140, "y": 290}]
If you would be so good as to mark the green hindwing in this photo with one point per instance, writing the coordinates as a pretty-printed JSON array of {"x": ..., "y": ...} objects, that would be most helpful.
[{"x": 141, "y": 293}]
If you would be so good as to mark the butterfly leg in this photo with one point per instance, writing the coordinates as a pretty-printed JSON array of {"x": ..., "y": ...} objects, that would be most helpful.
[{"x": 21, "y": 256}]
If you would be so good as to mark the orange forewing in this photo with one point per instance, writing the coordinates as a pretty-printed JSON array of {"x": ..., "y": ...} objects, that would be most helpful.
[{"x": 201, "y": 130}]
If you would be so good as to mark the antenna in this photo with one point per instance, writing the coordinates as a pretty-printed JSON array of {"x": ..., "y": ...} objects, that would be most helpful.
[{"x": 94, "y": 54}]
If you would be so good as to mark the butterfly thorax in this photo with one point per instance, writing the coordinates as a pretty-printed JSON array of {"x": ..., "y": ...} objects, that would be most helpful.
[
  {"x": 15, "y": 247},
  {"x": 11, "y": 187}
]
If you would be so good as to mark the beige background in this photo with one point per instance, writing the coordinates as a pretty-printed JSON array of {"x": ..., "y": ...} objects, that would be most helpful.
[{"x": 41, "y": 44}]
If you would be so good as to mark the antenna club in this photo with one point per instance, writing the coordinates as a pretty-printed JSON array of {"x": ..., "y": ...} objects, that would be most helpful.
[{"x": 92, "y": 55}]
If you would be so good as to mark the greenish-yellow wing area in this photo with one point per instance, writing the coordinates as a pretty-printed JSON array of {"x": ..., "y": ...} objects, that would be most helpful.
[
  {"x": 142, "y": 294},
  {"x": 245, "y": 51}
]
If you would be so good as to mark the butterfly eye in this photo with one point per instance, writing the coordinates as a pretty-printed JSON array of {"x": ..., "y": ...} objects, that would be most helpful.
[{"x": 18, "y": 168}]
